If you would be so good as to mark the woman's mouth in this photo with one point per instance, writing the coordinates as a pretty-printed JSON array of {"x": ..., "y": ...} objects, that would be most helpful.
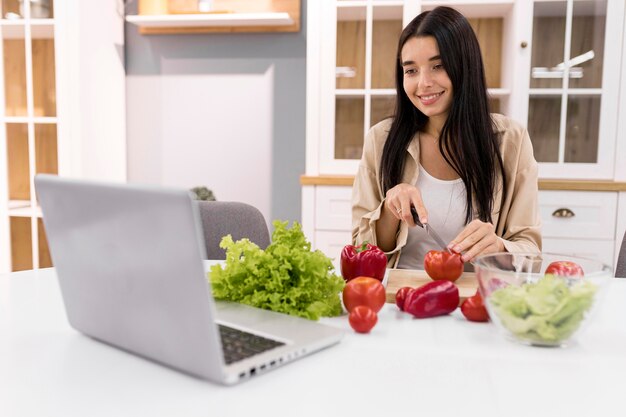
[{"x": 430, "y": 98}]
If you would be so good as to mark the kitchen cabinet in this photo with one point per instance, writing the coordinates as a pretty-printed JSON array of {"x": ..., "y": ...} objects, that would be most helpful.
[
  {"x": 572, "y": 108},
  {"x": 61, "y": 111},
  {"x": 553, "y": 65},
  {"x": 580, "y": 223}
]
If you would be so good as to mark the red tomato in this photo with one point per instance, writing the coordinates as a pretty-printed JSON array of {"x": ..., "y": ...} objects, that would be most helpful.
[
  {"x": 443, "y": 265},
  {"x": 362, "y": 319},
  {"x": 565, "y": 269},
  {"x": 364, "y": 291},
  {"x": 401, "y": 296},
  {"x": 474, "y": 309}
]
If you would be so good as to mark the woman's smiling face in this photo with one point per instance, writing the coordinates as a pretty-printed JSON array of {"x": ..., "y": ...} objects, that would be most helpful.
[{"x": 426, "y": 81}]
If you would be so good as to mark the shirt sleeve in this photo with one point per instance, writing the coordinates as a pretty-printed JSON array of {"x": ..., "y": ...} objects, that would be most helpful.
[
  {"x": 522, "y": 231},
  {"x": 367, "y": 196},
  {"x": 367, "y": 200}
]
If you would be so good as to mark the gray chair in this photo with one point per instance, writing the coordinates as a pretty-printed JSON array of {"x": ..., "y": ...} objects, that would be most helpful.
[
  {"x": 620, "y": 269},
  {"x": 220, "y": 218}
]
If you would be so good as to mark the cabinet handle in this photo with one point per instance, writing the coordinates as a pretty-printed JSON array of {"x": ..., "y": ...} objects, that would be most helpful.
[
  {"x": 524, "y": 44},
  {"x": 563, "y": 212}
]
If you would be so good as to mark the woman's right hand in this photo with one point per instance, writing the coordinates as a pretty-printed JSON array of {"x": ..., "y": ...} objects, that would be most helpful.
[{"x": 398, "y": 202}]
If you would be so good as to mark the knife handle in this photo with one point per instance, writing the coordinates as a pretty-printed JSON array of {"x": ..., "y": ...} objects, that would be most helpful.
[{"x": 416, "y": 218}]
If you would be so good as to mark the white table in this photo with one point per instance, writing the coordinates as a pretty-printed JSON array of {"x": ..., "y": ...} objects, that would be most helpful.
[{"x": 434, "y": 367}]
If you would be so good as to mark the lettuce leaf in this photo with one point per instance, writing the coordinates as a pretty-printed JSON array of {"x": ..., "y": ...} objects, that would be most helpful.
[{"x": 286, "y": 277}]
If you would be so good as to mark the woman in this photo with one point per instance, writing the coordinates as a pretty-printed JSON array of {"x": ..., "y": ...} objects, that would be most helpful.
[{"x": 470, "y": 174}]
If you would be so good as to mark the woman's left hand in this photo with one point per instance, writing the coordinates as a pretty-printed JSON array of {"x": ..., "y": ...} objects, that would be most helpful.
[{"x": 477, "y": 238}]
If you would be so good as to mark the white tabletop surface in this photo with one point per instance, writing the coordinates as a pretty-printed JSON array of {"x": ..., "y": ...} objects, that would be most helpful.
[{"x": 431, "y": 367}]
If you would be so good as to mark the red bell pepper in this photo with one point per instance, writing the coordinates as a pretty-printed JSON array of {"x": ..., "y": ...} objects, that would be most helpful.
[
  {"x": 366, "y": 260},
  {"x": 433, "y": 299}
]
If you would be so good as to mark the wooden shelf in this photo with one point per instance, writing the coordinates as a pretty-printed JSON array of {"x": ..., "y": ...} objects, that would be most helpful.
[
  {"x": 27, "y": 119},
  {"x": 208, "y": 21},
  {"x": 18, "y": 204},
  {"x": 21, "y": 208},
  {"x": 39, "y": 28},
  {"x": 228, "y": 16}
]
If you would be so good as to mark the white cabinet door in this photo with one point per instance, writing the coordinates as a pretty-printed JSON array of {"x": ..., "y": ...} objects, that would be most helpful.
[
  {"x": 332, "y": 220},
  {"x": 578, "y": 214},
  {"x": 573, "y": 99},
  {"x": 579, "y": 223},
  {"x": 333, "y": 208}
]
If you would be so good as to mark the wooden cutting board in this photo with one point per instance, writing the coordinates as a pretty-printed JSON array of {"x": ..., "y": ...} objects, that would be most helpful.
[{"x": 398, "y": 278}]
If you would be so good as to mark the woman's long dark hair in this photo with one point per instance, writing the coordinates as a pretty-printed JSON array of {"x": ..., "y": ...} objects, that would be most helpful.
[{"x": 468, "y": 141}]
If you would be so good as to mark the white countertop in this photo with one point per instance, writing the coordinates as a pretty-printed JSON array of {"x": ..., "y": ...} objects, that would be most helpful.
[{"x": 432, "y": 367}]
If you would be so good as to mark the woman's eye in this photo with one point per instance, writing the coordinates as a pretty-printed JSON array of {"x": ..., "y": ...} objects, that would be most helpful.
[
  {"x": 409, "y": 71},
  {"x": 438, "y": 66}
]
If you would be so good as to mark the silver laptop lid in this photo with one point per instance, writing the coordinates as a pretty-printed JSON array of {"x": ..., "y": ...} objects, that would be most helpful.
[{"x": 129, "y": 263}]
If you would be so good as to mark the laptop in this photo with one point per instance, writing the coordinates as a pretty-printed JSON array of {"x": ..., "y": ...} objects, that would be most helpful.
[{"x": 130, "y": 264}]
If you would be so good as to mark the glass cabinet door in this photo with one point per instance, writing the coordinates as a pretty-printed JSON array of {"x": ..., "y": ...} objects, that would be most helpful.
[
  {"x": 367, "y": 34},
  {"x": 386, "y": 28},
  {"x": 568, "y": 100},
  {"x": 28, "y": 135}
]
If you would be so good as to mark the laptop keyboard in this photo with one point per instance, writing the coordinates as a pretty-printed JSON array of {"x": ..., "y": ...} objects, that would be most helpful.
[{"x": 238, "y": 345}]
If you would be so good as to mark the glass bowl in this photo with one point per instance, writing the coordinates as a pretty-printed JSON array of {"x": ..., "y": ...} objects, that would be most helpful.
[{"x": 532, "y": 302}]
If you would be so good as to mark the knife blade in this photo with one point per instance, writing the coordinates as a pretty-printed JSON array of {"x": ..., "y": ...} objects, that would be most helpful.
[{"x": 431, "y": 232}]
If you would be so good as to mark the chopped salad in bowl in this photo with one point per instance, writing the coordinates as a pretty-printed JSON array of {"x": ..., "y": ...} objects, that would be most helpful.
[{"x": 541, "y": 299}]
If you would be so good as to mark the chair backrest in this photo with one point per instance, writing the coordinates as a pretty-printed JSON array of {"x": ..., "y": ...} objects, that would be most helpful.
[
  {"x": 620, "y": 269},
  {"x": 221, "y": 218}
]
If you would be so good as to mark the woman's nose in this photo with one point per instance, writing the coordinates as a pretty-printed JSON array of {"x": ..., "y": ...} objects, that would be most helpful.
[{"x": 425, "y": 79}]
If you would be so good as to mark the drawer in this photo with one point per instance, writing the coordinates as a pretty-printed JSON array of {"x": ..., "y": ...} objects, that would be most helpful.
[
  {"x": 601, "y": 250},
  {"x": 331, "y": 243},
  {"x": 333, "y": 208},
  {"x": 593, "y": 214}
]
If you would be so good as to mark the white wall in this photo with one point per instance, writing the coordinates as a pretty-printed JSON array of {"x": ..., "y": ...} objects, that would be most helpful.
[
  {"x": 223, "y": 139},
  {"x": 222, "y": 110}
]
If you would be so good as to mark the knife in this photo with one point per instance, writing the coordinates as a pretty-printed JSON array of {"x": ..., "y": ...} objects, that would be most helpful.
[{"x": 431, "y": 232}]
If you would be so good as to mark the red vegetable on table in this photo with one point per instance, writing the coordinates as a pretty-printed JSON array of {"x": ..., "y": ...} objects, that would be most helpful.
[
  {"x": 362, "y": 319},
  {"x": 474, "y": 309},
  {"x": 433, "y": 299},
  {"x": 364, "y": 291},
  {"x": 401, "y": 296},
  {"x": 366, "y": 260},
  {"x": 443, "y": 265}
]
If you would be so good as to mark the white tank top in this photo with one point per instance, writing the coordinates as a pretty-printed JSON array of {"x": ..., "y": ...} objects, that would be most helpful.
[{"x": 445, "y": 203}]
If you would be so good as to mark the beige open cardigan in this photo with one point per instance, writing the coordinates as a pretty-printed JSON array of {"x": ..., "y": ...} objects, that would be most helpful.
[{"x": 517, "y": 219}]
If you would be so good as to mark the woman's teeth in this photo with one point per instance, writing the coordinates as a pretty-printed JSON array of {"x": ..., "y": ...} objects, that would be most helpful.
[{"x": 432, "y": 96}]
